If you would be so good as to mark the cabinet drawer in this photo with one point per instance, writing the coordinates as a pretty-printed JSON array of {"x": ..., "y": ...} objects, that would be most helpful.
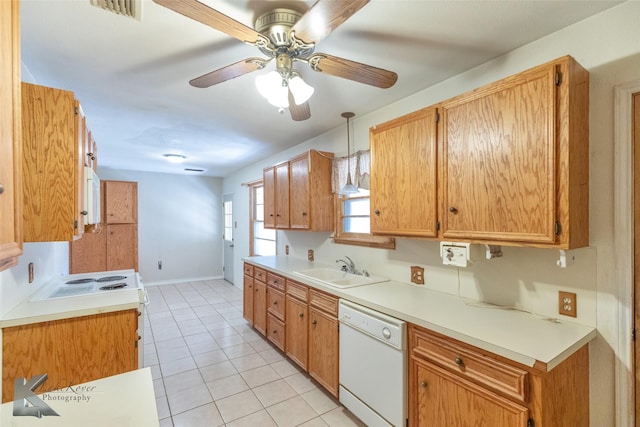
[
  {"x": 248, "y": 269},
  {"x": 275, "y": 303},
  {"x": 275, "y": 281},
  {"x": 275, "y": 331},
  {"x": 323, "y": 302},
  {"x": 470, "y": 364},
  {"x": 260, "y": 274},
  {"x": 298, "y": 290}
]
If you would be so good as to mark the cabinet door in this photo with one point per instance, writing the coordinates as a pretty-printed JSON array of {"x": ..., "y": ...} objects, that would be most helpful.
[
  {"x": 10, "y": 136},
  {"x": 499, "y": 175},
  {"x": 299, "y": 212},
  {"x": 247, "y": 299},
  {"x": 121, "y": 202},
  {"x": 269, "y": 182},
  {"x": 403, "y": 176},
  {"x": 81, "y": 132},
  {"x": 50, "y": 164},
  {"x": 122, "y": 246},
  {"x": 70, "y": 351},
  {"x": 282, "y": 196},
  {"x": 439, "y": 398},
  {"x": 323, "y": 349},
  {"x": 297, "y": 331},
  {"x": 89, "y": 253},
  {"x": 260, "y": 306}
]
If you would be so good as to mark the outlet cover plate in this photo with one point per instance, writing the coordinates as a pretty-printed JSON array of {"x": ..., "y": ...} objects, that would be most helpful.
[{"x": 567, "y": 304}]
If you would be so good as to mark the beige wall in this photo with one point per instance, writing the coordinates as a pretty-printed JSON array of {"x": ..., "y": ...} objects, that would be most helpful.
[{"x": 607, "y": 45}]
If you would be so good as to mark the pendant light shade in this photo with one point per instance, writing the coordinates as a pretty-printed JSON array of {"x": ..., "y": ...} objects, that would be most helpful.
[{"x": 349, "y": 187}]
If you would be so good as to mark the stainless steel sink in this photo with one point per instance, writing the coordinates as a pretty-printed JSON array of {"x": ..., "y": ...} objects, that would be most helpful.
[{"x": 338, "y": 278}]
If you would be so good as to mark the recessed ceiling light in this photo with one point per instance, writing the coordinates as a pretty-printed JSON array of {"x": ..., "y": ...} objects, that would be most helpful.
[{"x": 175, "y": 158}]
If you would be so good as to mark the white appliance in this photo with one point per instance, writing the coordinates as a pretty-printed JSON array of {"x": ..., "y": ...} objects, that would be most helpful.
[
  {"x": 91, "y": 197},
  {"x": 373, "y": 365},
  {"x": 102, "y": 282}
]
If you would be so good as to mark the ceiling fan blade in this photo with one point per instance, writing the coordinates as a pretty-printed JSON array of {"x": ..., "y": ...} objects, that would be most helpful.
[
  {"x": 229, "y": 72},
  {"x": 324, "y": 17},
  {"x": 202, "y": 13},
  {"x": 298, "y": 112},
  {"x": 352, "y": 70}
]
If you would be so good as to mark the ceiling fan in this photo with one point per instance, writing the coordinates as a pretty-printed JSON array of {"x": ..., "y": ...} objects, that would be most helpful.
[{"x": 288, "y": 37}]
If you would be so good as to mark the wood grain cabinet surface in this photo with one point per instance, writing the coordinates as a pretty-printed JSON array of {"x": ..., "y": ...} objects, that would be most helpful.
[
  {"x": 114, "y": 244},
  {"x": 324, "y": 340},
  {"x": 70, "y": 351},
  {"x": 247, "y": 293},
  {"x": 455, "y": 384},
  {"x": 515, "y": 158},
  {"x": 52, "y": 164},
  {"x": 297, "y": 328},
  {"x": 297, "y": 193},
  {"x": 10, "y": 136},
  {"x": 404, "y": 176}
]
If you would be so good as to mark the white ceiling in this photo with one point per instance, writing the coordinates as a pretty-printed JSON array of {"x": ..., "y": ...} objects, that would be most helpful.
[{"x": 131, "y": 76}]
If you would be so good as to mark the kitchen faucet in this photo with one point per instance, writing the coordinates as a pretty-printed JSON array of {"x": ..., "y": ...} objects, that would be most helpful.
[{"x": 350, "y": 267}]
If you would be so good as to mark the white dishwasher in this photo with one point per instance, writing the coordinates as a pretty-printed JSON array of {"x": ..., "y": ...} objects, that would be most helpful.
[{"x": 373, "y": 365}]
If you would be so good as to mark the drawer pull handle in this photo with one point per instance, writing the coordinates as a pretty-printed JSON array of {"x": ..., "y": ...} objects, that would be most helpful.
[
  {"x": 301, "y": 314},
  {"x": 313, "y": 322},
  {"x": 275, "y": 303},
  {"x": 453, "y": 210},
  {"x": 423, "y": 384},
  {"x": 459, "y": 361}
]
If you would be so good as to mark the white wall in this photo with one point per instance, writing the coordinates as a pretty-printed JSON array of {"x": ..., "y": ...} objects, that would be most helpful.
[
  {"x": 179, "y": 223},
  {"x": 607, "y": 45}
]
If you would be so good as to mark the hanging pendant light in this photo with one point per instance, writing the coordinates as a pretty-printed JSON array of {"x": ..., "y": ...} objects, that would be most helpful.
[{"x": 348, "y": 188}]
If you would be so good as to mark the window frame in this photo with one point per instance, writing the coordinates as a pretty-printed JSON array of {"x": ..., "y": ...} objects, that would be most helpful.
[
  {"x": 358, "y": 239},
  {"x": 253, "y": 186}
]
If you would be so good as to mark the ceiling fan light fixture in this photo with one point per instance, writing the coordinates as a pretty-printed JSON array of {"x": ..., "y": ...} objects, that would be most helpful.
[
  {"x": 300, "y": 90},
  {"x": 271, "y": 86}
]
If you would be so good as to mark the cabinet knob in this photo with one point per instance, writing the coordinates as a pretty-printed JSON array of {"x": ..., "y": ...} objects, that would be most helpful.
[
  {"x": 313, "y": 322},
  {"x": 275, "y": 331},
  {"x": 275, "y": 303},
  {"x": 423, "y": 384},
  {"x": 459, "y": 361},
  {"x": 1, "y": 188},
  {"x": 91, "y": 156},
  {"x": 301, "y": 314},
  {"x": 377, "y": 212},
  {"x": 453, "y": 210},
  {"x": 270, "y": 214},
  {"x": 84, "y": 213},
  {"x": 304, "y": 214}
]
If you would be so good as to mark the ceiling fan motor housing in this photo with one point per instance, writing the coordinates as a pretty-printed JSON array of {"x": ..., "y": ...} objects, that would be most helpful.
[{"x": 276, "y": 25}]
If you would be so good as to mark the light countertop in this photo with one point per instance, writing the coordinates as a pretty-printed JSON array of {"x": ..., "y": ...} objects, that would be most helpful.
[
  {"x": 517, "y": 335},
  {"x": 125, "y": 400},
  {"x": 28, "y": 312}
]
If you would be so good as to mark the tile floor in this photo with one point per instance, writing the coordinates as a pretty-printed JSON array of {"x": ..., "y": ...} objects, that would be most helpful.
[{"x": 210, "y": 368}]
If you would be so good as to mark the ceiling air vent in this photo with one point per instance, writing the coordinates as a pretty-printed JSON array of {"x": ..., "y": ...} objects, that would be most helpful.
[
  {"x": 131, "y": 8},
  {"x": 193, "y": 170}
]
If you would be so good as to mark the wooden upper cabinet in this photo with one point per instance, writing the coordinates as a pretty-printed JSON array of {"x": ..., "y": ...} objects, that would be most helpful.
[
  {"x": 53, "y": 181},
  {"x": 404, "y": 175},
  {"x": 121, "y": 202},
  {"x": 10, "y": 136},
  {"x": 282, "y": 195},
  {"x": 269, "y": 187},
  {"x": 516, "y": 159},
  {"x": 311, "y": 199},
  {"x": 297, "y": 193}
]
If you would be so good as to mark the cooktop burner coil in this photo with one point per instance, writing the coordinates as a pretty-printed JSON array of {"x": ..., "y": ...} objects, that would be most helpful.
[
  {"x": 80, "y": 281},
  {"x": 111, "y": 278},
  {"x": 113, "y": 286}
]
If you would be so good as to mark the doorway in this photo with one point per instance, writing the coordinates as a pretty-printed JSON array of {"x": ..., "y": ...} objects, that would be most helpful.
[{"x": 229, "y": 223}]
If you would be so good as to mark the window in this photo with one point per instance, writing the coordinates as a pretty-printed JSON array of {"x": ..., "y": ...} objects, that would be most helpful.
[
  {"x": 228, "y": 221},
  {"x": 352, "y": 211},
  {"x": 263, "y": 241}
]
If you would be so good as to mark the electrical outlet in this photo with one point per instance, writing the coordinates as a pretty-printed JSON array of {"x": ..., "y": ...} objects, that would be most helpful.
[
  {"x": 310, "y": 256},
  {"x": 417, "y": 275},
  {"x": 159, "y": 265},
  {"x": 286, "y": 249},
  {"x": 567, "y": 304}
]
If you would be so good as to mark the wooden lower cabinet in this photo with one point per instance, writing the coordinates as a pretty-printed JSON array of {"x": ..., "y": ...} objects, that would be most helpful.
[
  {"x": 324, "y": 340},
  {"x": 70, "y": 351},
  {"x": 297, "y": 331},
  {"x": 247, "y": 299},
  {"x": 122, "y": 246},
  {"x": 260, "y": 306},
  {"x": 455, "y": 384}
]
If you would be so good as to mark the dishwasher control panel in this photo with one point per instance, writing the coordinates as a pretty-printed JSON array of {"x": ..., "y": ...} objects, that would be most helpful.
[{"x": 378, "y": 325}]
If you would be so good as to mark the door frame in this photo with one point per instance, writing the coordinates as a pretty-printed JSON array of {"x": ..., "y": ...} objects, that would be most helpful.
[
  {"x": 228, "y": 266},
  {"x": 623, "y": 247}
]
